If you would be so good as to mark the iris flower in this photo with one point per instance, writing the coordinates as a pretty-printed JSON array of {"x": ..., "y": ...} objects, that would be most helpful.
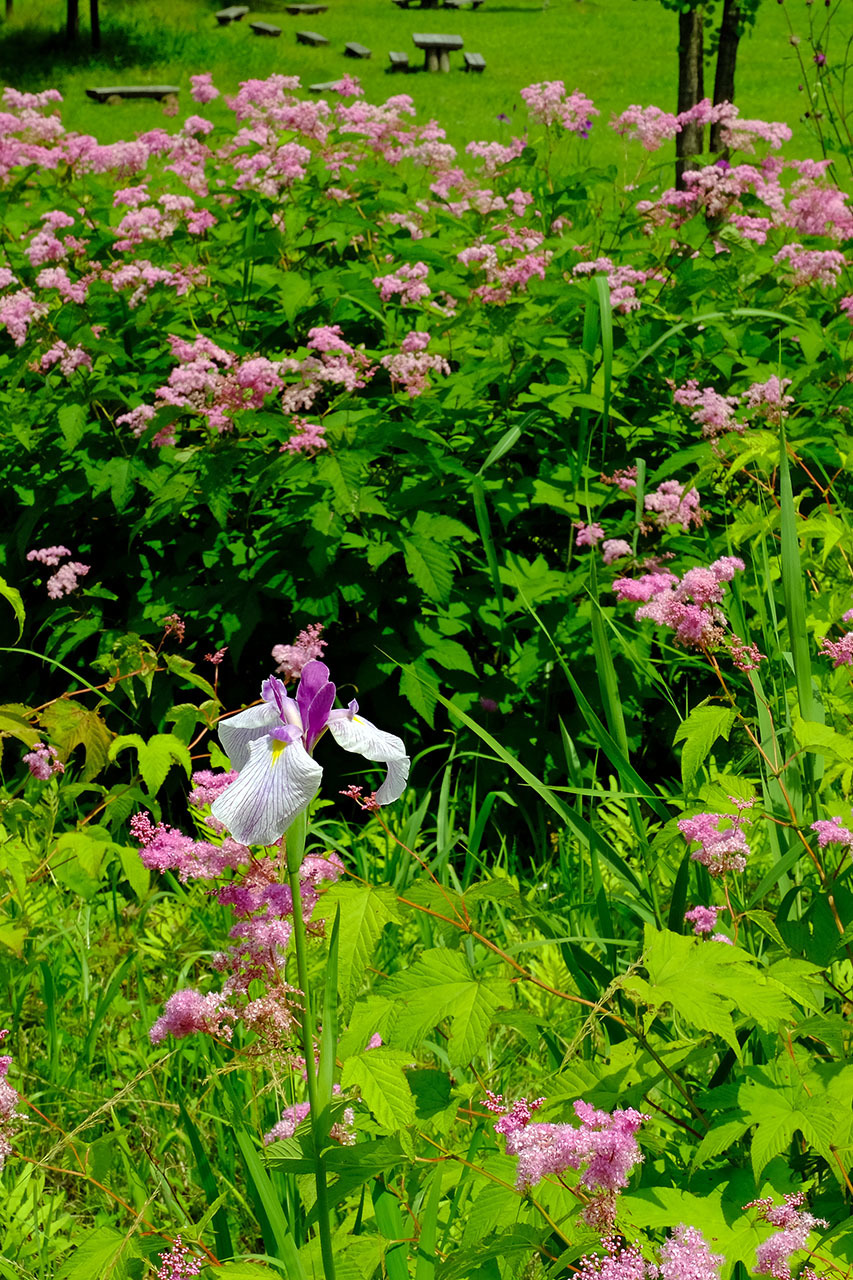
[{"x": 272, "y": 747}]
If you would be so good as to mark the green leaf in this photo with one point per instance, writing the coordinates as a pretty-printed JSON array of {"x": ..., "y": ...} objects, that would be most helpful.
[
  {"x": 378, "y": 1075},
  {"x": 705, "y": 983},
  {"x": 16, "y": 601},
  {"x": 699, "y": 732},
  {"x": 72, "y": 423},
  {"x": 451, "y": 655},
  {"x": 69, "y": 724},
  {"x": 819, "y": 739},
  {"x": 136, "y": 875},
  {"x": 365, "y": 911},
  {"x": 718, "y": 1140},
  {"x": 13, "y": 724},
  {"x": 185, "y": 669},
  {"x": 440, "y": 985},
  {"x": 95, "y": 1252},
  {"x": 431, "y": 566},
  {"x": 156, "y": 756},
  {"x": 418, "y": 685}
]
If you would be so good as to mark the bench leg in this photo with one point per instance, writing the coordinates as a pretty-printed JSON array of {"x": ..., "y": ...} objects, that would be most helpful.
[
  {"x": 444, "y": 60},
  {"x": 431, "y": 63}
]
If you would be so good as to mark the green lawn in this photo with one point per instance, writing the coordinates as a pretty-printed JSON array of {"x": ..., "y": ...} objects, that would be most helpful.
[{"x": 617, "y": 51}]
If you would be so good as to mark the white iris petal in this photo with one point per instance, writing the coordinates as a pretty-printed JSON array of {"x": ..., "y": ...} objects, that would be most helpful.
[
  {"x": 237, "y": 733},
  {"x": 279, "y": 781},
  {"x": 362, "y": 737}
]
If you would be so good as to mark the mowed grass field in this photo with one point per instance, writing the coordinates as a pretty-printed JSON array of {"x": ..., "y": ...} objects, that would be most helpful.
[{"x": 617, "y": 51}]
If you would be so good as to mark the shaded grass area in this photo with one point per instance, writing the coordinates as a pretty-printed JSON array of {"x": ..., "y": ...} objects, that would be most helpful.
[{"x": 617, "y": 51}]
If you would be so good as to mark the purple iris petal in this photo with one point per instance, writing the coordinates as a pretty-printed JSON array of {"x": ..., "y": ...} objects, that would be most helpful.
[
  {"x": 317, "y": 716},
  {"x": 315, "y": 698},
  {"x": 314, "y": 675},
  {"x": 287, "y": 733}
]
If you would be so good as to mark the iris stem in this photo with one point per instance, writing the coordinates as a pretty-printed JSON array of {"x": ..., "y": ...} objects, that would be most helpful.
[{"x": 295, "y": 840}]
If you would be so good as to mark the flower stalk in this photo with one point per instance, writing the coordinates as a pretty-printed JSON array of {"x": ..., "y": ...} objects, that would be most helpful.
[{"x": 295, "y": 845}]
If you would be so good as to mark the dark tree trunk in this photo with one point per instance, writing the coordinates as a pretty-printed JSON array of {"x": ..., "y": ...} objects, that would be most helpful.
[
  {"x": 724, "y": 80},
  {"x": 72, "y": 21},
  {"x": 691, "y": 88},
  {"x": 95, "y": 25},
  {"x": 8, "y": 8}
]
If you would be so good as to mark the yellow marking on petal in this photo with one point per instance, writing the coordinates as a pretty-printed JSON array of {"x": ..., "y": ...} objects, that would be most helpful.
[{"x": 277, "y": 748}]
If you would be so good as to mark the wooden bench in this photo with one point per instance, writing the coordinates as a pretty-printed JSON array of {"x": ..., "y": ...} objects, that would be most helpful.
[
  {"x": 399, "y": 61},
  {"x": 461, "y": 4},
  {"x": 356, "y": 50},
  {"x": 115, "y": 93},
  {"x": 310, "y": 37},
  {"x": 474, "y": 62},
  {"x": 265, "y": 29},
  {"x": 296, "y": 9},
  {"x": 233, "y": 14}
]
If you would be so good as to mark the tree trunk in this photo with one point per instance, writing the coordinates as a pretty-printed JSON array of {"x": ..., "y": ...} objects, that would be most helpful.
[
  {"x": 691, "y": 87},
  {"x": 95, "y": 25},
  {"x": 8, "y": 8},
  {"x": 724, "y": 80},
  {"x": 72, "y": 21}
]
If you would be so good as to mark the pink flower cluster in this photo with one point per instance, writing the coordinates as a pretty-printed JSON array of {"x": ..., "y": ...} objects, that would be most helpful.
[
  {"x": 509, "y": 264},
  {"x": 342, "y": 1131},
  {"x": 684, "y": 1256},
  {"x": 653, "y": 127},
  {"x": 203, "y": 89},
  {"x": 65, "y": 580},
  {"x": 9, "y": 1115},
  {"x": 604, "y": 1146},
  {"x": 794, "y": 1226},
  {"x": 811, "y": 266},
  {"x": 43, "y": 761},
  {"x": 291, "y": 658},
  {"x": 211, "y": 382},
  {"x": 704, "y": 921},
  {"x": 831, "y": 831},
  {"x": 177, "y": 1264},
  {"x": 549, "y": 103},
  {"x": 411, "y": 366},
  {"x": 719, "y": 851},
  {"x": 409, "y": 281},
  {"x": 587, "y": 534},
  {"x": 623, "y": 281},
  {"x": 262, "y": 906},
  {"x": 69, "y": 359},
  {"x": 689, "y": 605},
  {"x": 715, "y": 413},
  {"x": 840, "y": 651},
  {"x": 673, "y": 503}
]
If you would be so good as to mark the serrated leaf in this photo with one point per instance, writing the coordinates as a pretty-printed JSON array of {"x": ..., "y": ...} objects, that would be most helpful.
[
  {"x": 182, "y": 667},
  {"x": 72, "y": 423},
  {"x": 137, "y": 875},
  {"x": 719, "y": 1139},
  {"x": 14, "y": 724},
  {"x": 451, "y": 655},
  {"x": 378, "y": 1075},
  {"x": 69, "y": 724},
  {"x": 699, "y": 732},
  {"x": 95, "y": 1251},
  {"x": 156, "y": 756},
  {"x": 440, "y": 985},
  {"x": 417, "y": 682},
  {"x": 431, "y": 566},
  {"x": 820, "y": 739},
  {"x": 365, "y": 911},
  {"x": 16, "y": 601}
]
